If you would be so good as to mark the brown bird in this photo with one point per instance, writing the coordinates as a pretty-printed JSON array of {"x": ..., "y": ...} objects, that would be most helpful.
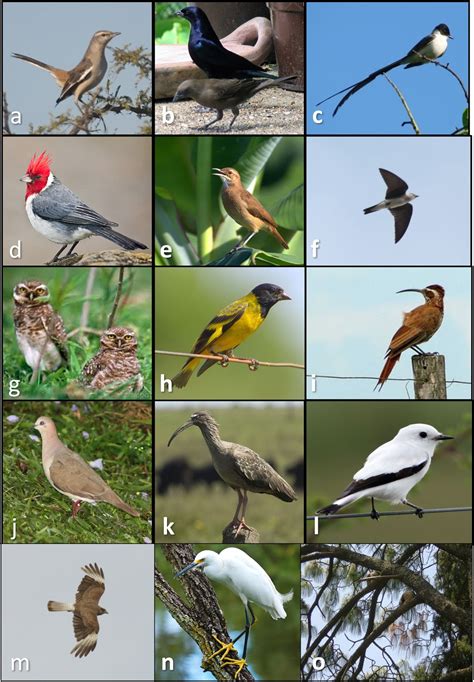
[
  {"x": 244, "y": 208},
  {"x": 419, "y": 325},
  {"x": 224, "y": 93},
  {"x": 85, "y": 609},
  {"x": 71, "y": 475}
]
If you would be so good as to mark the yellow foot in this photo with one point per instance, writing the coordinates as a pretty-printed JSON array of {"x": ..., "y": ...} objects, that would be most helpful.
[
  {"x": 226, "y": 648},
  {"x": 239, "y": 662}
]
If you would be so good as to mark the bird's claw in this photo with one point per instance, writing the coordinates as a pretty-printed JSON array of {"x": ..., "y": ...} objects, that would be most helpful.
[
  {"x": 239, "y": 662},
  {"x": 419, "y": 512},
  {"x": 254, "y": 365},
  {"x": 374, "y": 515},
  {"x": 224, "y": 360},
  {"x": 225, "y": 647}
]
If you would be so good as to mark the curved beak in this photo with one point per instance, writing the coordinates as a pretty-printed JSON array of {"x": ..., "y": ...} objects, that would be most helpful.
[
  {"x": 189, "y": 567},
  {"x": 443, "y": 437},
  {"x": 402, "y": 291},
  {"x": 26, "y": 178},
  {"x": 181, "y": 428},
  {"x": 219, "y": 173}
]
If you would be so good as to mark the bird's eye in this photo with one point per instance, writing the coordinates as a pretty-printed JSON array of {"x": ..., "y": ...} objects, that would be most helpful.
[
  {"x": 111, "y": 336},
  {"x": 22, "y": 290},
  {"x": 423, "y": 434},
  {"x": 41, "y": 423},
  {"x": 41, "y": 291},
  {"x": 127, "y": 337}
]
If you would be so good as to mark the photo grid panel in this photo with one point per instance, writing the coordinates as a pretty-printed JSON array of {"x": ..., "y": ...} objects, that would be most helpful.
[{"x": 237, "y": 281}]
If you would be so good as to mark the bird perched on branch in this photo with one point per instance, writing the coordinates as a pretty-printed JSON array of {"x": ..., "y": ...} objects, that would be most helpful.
[
  {"x": 431, "y": 46},
  {"x": 230, "y": 327},
  {"x": 224, "y": 93},
  {"x": 86, "y": 610},
  {"x": 391, "y": 471},
  {"x": 83, "y": 77},
  {"x": 39, "y": 328},
  {"x": 419, "y": 325},
  {"x": 250, "y": 582},
  {"x": 72, "y": 476},
  {"x": 397, "y": 200},
  {"x": 244, "y": 208},
  {"x": 239, "y": 466},
  {"x": 406, "y": 597},
  {"x": 60, "y": 216},
  {"x": 207, "y": 51}
]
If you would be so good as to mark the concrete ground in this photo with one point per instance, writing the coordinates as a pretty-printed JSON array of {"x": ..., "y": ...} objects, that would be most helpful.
[{"x": 273, "y": 111}]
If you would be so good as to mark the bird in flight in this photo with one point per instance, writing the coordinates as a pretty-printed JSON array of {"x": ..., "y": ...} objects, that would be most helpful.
[
  {"x": 391, "y": 471},
  {"x": 431, "y": 46},
  {"x": 397, "y": 200},
  {"x": 86, "y": 610}
]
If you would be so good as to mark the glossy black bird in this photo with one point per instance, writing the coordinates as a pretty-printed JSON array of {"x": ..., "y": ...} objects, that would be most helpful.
[{"x": 207, "y": 51}]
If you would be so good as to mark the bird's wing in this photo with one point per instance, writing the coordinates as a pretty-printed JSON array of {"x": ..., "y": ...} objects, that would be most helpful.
[
  {"x": 77, "y": 75},
  {"x": 76, "y": 477},
  {"x": 396, "y": 186},
  {"x": 259, "y": 474},
  {"x": 209, "y": 54},
  {"x": 62, "y": 204},
  {"x": 390, "y": 457},
  {"x": 404, "y": 338},
  {"x": 92, "y": 586},
  {"x": 58, "y": 334},
  {"x": 223, "y": 321},
  {"x": 255, "y": 208},
  {"x": 402, "y": 216},
  {"x": 364, "y": 481}
]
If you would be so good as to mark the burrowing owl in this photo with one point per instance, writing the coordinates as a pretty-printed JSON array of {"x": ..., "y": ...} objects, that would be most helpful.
[
  {"x": 116, "y": 362},
  {"x": 39, "y": 329}
]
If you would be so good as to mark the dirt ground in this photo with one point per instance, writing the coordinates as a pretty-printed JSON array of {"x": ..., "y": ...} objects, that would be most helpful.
[{"x": 272, "y": 112}]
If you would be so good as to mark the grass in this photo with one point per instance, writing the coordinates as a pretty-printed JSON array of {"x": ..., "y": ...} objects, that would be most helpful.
[
  {"x": 201, "y": 513},
  {"x": 118, "y": 433},
  {"x": 67, "y": 287}
]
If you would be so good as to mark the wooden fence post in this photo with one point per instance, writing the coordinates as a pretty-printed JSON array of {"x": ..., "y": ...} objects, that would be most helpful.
[{"x": 430, "y": 377}]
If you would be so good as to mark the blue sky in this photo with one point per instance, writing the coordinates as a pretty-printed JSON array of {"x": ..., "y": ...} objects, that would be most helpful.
[
  {"x": 354, "y": 312},
  {"x": 344, "y": 179},
  {"x": 348, "y": 40},
  {"x": 58, "y": 34}
]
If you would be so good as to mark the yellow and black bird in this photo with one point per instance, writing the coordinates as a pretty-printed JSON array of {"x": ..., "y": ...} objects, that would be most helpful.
[{"x": 230, "y": 327}]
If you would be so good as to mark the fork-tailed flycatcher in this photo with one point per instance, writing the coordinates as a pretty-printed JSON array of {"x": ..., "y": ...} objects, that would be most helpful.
[{"x": 432, "y": 46}]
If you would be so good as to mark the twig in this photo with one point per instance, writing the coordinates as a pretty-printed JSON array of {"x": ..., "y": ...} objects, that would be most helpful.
[
  {"x": 87, "y": 295},
  {"x": 389, "y": 513},
  {"x": 253, "y": 364},
  {"x": 84, "y": 330},
  {"x": 6, "y": 115},
  {"x": 405, "y": 104},
  {"x": 118, "y": 293},
  {"x": 448, "y": 68}
]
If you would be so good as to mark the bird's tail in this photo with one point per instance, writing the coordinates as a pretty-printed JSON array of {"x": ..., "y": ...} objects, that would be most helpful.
[
  {"x": 287, "y": 597},
  {"x": 182, "y": 378},
  {"x": 277, "y": 611},
  {"x": 59, "y": 606},
  {"x": 120, "y": 504},
  {"x": 387, "y": 369},
  {"x": 272, "y": 82},
  {"x": 116, "y": 237},
  {"x": 371, "y": 209},
  {"x": 279, "y": 238},
  {"x": 60, "y": 75}
]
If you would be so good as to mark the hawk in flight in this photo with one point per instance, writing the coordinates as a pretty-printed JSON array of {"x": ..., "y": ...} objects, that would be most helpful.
[{"x": 85, "y": 609}]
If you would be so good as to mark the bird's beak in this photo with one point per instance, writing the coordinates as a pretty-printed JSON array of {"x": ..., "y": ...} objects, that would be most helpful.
[
  {"x": 419, "y": 291},
  {"x": 189, "y": 567},
  {"x": 105, "y": 611},
  {"x": 219, "y": 173},
  {"x": 181, "y": 428},
  {"x": 178, "y": 14},
  {"x": 284, "y": 296},
  {"x": 116, "y": 34},
  {"x": 26, "y": 178},
  {"x": 441, "y": 436}
]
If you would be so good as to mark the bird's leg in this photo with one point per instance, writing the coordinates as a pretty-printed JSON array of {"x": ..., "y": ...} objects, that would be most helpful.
[
  {"x": 69, "y": 253},
  {"x": 226, "y": 648},
  {"x": 56, "y": 257},
  {"x": 236, "y": 520},
  {"x": 235, "y": 111},
  {"x": 418, "y": 350},
  {"x": 75, "y": 508},
  {"x": 374, "y": 513},
  {"x": 418, "y": 510},
  {"x": 243, "y": 242},
  {"x": 240, "y": 662},
  {"x": 243, "y": 500},
  {"x": 218, "y": 118}
]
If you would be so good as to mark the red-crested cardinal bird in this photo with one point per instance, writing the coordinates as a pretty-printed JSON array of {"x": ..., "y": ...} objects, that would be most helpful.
[
  {"x": 59, "y": 215},
  {"x": 83, "y": 77}
]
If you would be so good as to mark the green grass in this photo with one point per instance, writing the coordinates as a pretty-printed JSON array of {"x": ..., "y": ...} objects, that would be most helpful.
[
  {"x": 67, "y": 288},
  {"x": 201, "y": 513},
  {"x": 117, "y": 432}
]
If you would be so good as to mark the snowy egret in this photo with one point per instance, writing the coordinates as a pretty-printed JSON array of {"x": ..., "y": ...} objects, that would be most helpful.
[
  {"x": 391, "y": 471},
  {"x": 247, "y": 579},
  {"x": 240, "y": 467}
]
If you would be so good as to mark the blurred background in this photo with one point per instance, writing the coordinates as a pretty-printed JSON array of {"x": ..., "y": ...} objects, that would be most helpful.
[
  {"x": 189, "y": 490},
  {"x": 341, "y": 435},
  {"x": 84, "y": 313},
  {"x": 187, "y": 299},
  {"x": 273, "y": 644},
  {"x": 111, "y": 175},
  {"x": 189, "y": 213}
]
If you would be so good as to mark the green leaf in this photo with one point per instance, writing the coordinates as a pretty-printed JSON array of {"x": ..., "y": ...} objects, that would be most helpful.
[
  {"x": 169, "y": 231},
  {"x": 233, "y": 258},
  {"x": 263, "y": 258},
  {"x": 289, "y": 213}
]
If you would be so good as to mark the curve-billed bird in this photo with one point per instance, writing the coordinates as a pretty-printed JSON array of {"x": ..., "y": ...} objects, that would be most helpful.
[
  {"x": 224, "y": 93},
  {"x": 240, "y": 467},
  {"x": 86, "y": 609},
  {"x": 207, "y": 51},
  {"x": 419, "y": 325},
  {"x": 71, "y": 475},
  {"x": 391, "y": 471},
  {"x": 244, "y": 208},
  {"x": 397, "y": 200},
  {"x": 431, "y": 46},
  {"x": 230, "y": 327}
]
